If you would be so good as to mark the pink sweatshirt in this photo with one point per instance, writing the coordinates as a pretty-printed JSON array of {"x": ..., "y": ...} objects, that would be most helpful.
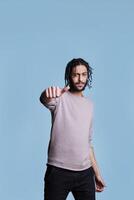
[{"x": 71, "y": 131}]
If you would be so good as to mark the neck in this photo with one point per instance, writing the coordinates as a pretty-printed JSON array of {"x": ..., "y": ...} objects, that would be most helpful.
[{"x": 77, "y": 93}]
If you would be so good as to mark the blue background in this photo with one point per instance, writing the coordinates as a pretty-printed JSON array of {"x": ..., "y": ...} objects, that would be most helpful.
[{"x": 37, "y": 39}]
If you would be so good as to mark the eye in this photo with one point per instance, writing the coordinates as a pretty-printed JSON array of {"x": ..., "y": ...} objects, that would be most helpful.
[
  {"x": 85, "y": 74},
  {"x": 74, "y": 75}
]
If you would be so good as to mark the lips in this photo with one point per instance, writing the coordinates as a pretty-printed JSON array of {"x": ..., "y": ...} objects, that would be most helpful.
[{"x": 80, "y": 85}]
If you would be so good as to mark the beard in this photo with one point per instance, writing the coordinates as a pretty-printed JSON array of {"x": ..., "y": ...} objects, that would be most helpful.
[{"x": 74, "y": 86}]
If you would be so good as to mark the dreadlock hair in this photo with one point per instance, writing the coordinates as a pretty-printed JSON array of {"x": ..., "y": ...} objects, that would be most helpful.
[{"x": 73, "y": 63}]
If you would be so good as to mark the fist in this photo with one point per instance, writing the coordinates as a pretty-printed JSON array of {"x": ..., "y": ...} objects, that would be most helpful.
[{"x": 55, "y": 91}]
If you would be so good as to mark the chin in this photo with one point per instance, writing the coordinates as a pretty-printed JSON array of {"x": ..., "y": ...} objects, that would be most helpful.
[
  {"x": 79, "y": 90},
  {"x": 75, "y": 89}
]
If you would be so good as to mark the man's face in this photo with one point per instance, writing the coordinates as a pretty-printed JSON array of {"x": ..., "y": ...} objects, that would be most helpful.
[{"x": 79, "y": 78}]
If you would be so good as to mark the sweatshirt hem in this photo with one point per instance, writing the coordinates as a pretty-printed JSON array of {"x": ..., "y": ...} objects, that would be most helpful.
[{"x": 67, "y": 167}]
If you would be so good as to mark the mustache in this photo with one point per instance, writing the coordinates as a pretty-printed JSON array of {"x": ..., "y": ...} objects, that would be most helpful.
[{"x": 80, "y": 83}]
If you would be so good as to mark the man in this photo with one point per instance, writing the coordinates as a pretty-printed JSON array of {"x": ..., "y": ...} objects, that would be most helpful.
[{"x": 71, "y": 164}]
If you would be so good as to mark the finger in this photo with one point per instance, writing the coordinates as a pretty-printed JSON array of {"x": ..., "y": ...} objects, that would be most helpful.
[
  {"x": 47, "y": 94},
  {"x": 99, "y": 189},
  {"x": 65, "y": 89},
  {"x": 54, "y": 91},
  {"x": 58, "y": 91},
  {"x": 102, "y": 183},
  {"x": 50, "y": 92}
]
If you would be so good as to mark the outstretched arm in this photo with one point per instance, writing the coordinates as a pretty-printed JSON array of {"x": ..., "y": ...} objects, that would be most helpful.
[
  {"x": 49, "y": 97},
  {"x": 100, "y": 184},
  {"x": 52, "y": 92}
]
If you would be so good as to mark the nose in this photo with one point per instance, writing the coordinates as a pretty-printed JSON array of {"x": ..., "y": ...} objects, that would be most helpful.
[{"x": 80, "y": 78}]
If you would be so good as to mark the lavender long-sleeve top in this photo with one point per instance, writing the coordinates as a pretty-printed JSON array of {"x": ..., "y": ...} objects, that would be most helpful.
[{"x": 71, "y": 131}]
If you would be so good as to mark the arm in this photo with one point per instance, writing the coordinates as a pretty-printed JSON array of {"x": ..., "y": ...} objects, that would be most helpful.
[
  {"x": 50, "y": 96},
  {"x": 44, "y": 99},
  {"x": 47, "y": 101},
  {"x": 98, "y": 179}
]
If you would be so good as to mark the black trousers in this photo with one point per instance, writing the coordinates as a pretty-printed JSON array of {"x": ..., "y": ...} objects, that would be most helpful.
[{"x": 58, "y": 182}]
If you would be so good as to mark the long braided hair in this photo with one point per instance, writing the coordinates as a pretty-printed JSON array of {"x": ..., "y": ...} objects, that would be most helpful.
[{"x": 73, "y": 63}]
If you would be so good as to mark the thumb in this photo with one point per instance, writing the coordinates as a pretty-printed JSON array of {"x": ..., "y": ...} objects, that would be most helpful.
[{"x": 65, "y": 89}]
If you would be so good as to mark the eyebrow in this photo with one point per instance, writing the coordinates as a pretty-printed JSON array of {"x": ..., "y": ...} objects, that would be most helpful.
[{"x": 79, "y": 73}]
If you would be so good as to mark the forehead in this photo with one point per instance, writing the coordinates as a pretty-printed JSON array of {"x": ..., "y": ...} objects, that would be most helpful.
[{"x": 79, "y": 69}]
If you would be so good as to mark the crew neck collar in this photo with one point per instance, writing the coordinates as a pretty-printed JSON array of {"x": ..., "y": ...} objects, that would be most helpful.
[{"x": 77, "y": 96}]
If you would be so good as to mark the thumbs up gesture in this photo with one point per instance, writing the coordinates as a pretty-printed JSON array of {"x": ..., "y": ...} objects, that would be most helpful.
[
  {"x": 55, "y": 91},
  {"x": 48, "y": 94}
]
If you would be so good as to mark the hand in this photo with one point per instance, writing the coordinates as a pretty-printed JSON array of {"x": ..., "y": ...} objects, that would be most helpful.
[
  {"x": 53, "y": 91},
  {"x": 100, "y": 184}
]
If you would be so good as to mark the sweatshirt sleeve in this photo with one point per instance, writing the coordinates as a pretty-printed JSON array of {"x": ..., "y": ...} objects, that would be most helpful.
[
  {"x": 91, "y": 132},
  {"x": 52, "y": 104},
  {"x": 91, "y": 125}
]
